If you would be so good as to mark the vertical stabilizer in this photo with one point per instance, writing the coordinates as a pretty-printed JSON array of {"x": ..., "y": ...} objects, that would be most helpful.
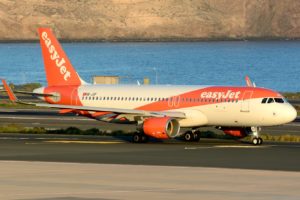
[{"x": 58, "y": 68}]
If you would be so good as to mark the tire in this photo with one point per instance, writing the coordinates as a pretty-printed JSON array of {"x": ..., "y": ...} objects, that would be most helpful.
[
  {"x": 196, "y": 136},
  {"x": 255, "y": 141},
  {"x": 188, "y": 136},
  {"x": 136, "y": 138},
  {"x": 260, "y": 141},
  {"x": 144, "y": 138}
]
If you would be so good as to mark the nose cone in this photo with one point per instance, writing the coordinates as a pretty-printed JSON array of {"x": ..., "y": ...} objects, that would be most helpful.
[{"x": 289, "y": 114}]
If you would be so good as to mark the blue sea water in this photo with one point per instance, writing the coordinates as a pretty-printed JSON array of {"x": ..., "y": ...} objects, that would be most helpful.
[{"x": 271, "y": 64}]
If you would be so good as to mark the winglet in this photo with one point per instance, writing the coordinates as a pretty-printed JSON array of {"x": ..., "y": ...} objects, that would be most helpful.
[
  {"x": 249, "y": 82},
  {"x": 9, "y": 91}
]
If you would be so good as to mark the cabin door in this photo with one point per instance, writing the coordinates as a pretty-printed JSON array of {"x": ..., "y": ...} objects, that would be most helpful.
[{"x": 245, "y": 103}]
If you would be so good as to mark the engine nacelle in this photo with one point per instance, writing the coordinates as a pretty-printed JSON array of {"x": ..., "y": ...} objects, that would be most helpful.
[
  {"x": 161, "y": 127},
  {"x": 236, "y": 132}
]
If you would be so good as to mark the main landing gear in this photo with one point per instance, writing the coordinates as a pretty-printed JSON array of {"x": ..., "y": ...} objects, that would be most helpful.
[
  {"x": 192, "y": 136},
  {"x": 139, "y": 138}
]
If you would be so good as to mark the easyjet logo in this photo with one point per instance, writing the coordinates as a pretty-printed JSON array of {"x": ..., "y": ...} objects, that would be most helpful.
[
  {"x": 59, "y": 61},
  {"x": 221, "y": 95}
]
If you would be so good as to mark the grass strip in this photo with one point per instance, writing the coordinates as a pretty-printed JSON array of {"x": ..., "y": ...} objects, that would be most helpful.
[{"x": 14, "y": 128}]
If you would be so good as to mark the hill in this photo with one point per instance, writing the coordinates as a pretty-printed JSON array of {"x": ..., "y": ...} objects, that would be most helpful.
[{"x": 151, "y": 19}]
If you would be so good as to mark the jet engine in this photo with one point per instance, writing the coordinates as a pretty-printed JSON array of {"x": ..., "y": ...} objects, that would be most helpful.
[{"x": 161, "y": 127}]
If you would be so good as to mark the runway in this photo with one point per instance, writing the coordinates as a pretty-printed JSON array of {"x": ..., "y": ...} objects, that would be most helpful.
[
  {"x": 118, "y": 150},
  {"x": 82, "y": 167}
]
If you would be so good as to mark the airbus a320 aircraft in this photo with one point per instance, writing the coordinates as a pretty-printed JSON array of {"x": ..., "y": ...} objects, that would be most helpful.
[{"x": 159, "y": 111}]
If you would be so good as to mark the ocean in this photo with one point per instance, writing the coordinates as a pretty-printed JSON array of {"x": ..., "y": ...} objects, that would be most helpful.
[{"x": 270, "y": 64}]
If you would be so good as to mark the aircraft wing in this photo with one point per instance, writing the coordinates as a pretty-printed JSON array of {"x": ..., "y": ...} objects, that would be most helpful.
[
  {"x": 117, "y": 110},
  {"x": 13, "y": 98}
]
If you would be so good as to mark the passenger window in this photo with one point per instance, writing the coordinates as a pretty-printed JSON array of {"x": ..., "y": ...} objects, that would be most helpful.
[
  {"x": 270, "y": 100},
  {"x": 264, "y": 100}
]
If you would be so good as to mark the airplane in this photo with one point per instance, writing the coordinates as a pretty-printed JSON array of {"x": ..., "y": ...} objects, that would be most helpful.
[{"x": 159, "y": 111}]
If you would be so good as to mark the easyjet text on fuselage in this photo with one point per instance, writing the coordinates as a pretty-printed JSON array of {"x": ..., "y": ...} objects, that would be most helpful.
[{"x": 221, "y": 95}]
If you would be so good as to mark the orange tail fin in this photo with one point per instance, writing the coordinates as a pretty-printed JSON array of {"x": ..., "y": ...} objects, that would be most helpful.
[{"x": 58, "y": 68}]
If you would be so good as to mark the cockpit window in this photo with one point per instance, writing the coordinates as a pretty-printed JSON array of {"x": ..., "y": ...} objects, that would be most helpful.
[
  {"x": 279, "y": 100},
  {"x": 264, "y": 100},
  {"x": 270, "y": 100}
]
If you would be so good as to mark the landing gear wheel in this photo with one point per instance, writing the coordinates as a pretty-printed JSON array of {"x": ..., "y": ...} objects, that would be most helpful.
[
  {"x": 196, "y": 136},
  {"x": 260, "y": 141},
  {"x": 144, "y": 138},
  {"x": 136, "y": 138},
  {"x": 139, "y": 138},
  {"x": 188, "y": 136},
  {"x": 257, "y": 141}
]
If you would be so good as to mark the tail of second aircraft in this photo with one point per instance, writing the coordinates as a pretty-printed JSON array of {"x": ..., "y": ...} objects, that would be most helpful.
[{"x": 58, "y": 68}]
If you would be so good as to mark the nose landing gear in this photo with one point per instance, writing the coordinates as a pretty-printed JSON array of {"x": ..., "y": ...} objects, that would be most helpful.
[{"x": 256, "y": 140}]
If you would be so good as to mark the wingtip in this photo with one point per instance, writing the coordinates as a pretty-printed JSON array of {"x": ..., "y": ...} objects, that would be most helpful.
[{"x": 9, "y": 91}]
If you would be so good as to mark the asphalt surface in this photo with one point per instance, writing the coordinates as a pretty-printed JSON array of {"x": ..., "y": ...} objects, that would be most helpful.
[
  {"x": 104, "y": 167},
  {"x": 77, "y": 181},
  {"x": 118, "y": 150}
]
